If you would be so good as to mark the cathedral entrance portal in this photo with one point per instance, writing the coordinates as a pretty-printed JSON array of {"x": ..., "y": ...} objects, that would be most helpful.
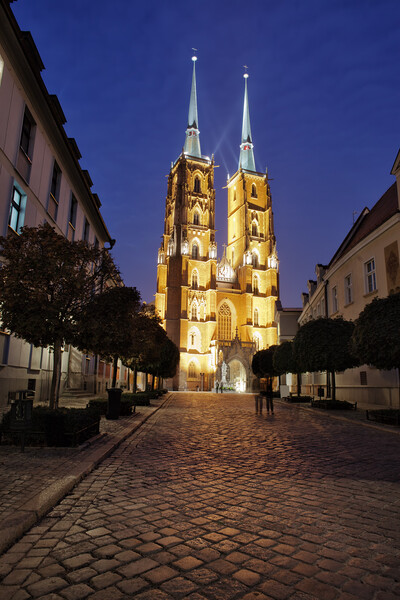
[{"x": 237, "y": 375}]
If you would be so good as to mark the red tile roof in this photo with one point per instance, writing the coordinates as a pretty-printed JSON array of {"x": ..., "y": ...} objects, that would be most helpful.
[{"x": 370, "y": 220}]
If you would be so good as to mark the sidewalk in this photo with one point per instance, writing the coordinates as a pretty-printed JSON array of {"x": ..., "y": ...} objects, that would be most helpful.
[{"x": 34, "y": 481}]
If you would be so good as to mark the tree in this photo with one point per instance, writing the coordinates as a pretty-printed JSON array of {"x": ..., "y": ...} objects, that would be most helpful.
[
  {"x": 108, "y": 325},
  {"x": 262, "y": 364},
  {"x": 376, "y": 337},
  {"x": 324, "y": 345},
  {"x": 46, "y": 283},
  {"x": 284, "y": 362}
]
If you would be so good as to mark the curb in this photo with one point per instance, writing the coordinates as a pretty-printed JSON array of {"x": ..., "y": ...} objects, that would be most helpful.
[{"x": 14, "y": 527}]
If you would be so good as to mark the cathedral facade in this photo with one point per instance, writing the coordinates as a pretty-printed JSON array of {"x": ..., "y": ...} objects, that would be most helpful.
[{"x": 218, "y": 312}]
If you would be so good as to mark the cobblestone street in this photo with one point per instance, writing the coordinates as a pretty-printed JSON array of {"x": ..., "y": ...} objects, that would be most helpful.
[{"x": 208, "y": 500}]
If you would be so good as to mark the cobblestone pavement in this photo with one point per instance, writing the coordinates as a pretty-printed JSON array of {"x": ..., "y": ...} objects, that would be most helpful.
[{"x": 210, "y": 501}]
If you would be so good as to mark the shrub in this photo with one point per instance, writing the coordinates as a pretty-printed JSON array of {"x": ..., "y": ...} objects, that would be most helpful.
[
  {"x": 101, "y": 404},
  {"x": 61, "y": 427}
]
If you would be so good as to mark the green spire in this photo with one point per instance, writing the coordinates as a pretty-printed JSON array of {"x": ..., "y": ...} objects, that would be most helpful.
[
  {"x": 192, "y": 141},
  {"x": 246, "y": 157}
]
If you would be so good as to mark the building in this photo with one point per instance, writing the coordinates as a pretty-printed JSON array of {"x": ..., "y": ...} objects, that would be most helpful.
[
  {"x": 40, "y": 180},
  {"x": 365, "y": 266},
  {"x": 218, "y": 312}
]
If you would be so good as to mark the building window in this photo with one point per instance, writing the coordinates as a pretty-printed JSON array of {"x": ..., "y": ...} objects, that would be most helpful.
[
  {"x": 363, "y": 378},
  {"x": 86, "y": 229},
  {"x": 370, "y": 276},
  {"x": 24, "y": 159},
  {"x": 28, "y": 126},
  {"x": 73, "y": 209},
  {"x": 253, "y": 190},
  {"x": 335, "y": 305},
  {"x": 195, "y": 251},
  {"x": 17, "y": 209},
  {"x": 254, "y": 229},
  {"x": 224, "y": 322},
  {"x": 234, "y": 194},
  {"x": 52, "y": 208},
  {"x": 255, "y": 285},
  {"x": 192, "y": 370},
  {"x": 318, "y": 309},
  {"x": 195, "y": 280},
  {"x": 96, "y": 243},
  {"x": 348, "y": 290},
  {"x": 194, "y": 312},
  {"x": 197, "y": 187},
  {"x": 255, "y": 317},
  {"x": 254, "y": 259},
  {"x": 257, "y": 342},
  {"x": 196, "y": 218}
]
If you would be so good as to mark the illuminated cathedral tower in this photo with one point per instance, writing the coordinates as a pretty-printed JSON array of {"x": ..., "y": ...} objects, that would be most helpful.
[{"x": 217, "y": 313}]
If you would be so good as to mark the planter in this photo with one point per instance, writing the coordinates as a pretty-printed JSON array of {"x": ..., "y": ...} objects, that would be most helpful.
[
  {"x": 114, "y": 403},
  {"x": 387, "y": 416}
]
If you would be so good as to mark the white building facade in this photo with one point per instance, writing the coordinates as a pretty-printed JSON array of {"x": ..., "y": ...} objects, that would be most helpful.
[
  {"x": 365, "y": 266},
  {"x": 40, "y": 180}
]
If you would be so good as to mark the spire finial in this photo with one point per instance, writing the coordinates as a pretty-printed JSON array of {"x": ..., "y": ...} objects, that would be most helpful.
[
  {"x": 246, "y": 157},
  {"x": 192, "y": 141}
]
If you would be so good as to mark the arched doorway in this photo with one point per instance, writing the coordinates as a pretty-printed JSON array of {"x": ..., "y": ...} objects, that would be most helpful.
[{"x": 237, "y": 375}]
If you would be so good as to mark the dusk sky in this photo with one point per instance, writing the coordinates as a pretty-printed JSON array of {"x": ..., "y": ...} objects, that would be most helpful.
[{"x": 324, "y": 95}]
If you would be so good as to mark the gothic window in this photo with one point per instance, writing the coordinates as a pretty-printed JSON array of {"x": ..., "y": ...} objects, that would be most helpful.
[
  {"x": 254, "y": 229},
  {"x": 192, "y": 370},
  {"x": 194, "y": 311},
  {"x": 254, "y": 258},
  {"x": 195, "y": 251},
  {"x": 253, "y": 190},
  {"x": 255, "y": 284},
  {"x": 257, "y": 342},
  {"x": 197, "y": 187},
  {"x": 224, "y": 322},
  {"x": 196, "y": 218},
  {"x": 195, "y": 280},
  {"x": 255, "y": 318}
]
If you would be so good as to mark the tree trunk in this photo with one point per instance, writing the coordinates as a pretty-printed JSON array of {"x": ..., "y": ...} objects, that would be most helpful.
[
  {"x": 328, "y": 385},
  {"x": 333, "y": 386},
  {"x": 298, "y": 375},
  {"x": 115, "y": 367},
  {"x": 152, "y": 383},
  {"x": 135, "y": 379},
  {"x": 56, "y": 378},
  {"x": 127, "y": 381}
]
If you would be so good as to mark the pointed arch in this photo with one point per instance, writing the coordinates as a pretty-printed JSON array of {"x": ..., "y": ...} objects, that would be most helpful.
[
  {"x": 253, "y": 190},
  {"x": 197, "y": 184},
  {"x": 224, "y": 322},
  {"x": 256, "y": 317},
  {"x": 255, "y": 258},
  {"x": 256, "y": 284}
]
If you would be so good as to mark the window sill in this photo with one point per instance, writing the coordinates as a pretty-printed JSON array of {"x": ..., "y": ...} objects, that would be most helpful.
[{"x": 368, "y": 294}]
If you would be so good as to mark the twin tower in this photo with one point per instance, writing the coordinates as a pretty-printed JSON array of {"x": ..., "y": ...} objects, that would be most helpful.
[{"x": 218, "y": 312}]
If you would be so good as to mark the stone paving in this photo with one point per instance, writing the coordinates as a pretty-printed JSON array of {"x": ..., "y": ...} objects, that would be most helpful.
[{"x": 209, "y": 501}]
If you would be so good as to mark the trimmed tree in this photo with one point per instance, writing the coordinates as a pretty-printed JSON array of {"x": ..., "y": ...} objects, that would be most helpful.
[
  {"x": 108, "y": 325},
  {"x": 324, "y": 345},
  {"x": 376, "y": 336},
  {"x": 284, "y": 362},
  {"x": 46, "y": 283},
  {"x": 262, "y": 364}
]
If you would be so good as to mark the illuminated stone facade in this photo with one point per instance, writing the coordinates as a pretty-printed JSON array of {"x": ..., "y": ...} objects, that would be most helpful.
[{"x": 218, "y": 312}]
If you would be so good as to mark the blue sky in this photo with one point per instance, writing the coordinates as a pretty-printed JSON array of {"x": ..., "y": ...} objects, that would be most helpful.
[{"x": 324, "y": 94}]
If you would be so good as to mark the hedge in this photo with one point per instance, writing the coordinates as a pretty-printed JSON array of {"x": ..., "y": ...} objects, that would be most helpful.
[{"x": 61, "y": 427}]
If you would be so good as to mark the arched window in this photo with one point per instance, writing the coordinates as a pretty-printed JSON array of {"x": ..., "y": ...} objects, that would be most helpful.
[
  {"x": 194, "y": 311},
  {"x": 196, "y": 218},
  {"x": 195, "y": 251},
  {"x": 253, "y": 190},
  {"x": 257, "y": 342},
  {"x": 254, "y": 259},
  {"x": 255, "y": 284},
  {"x": 254, "y": 229},
  {"x": 197, "y": 186},
  {"x": 192, "y": 371},
  {"x": 255, "y": 318},
  {"x": 224, "y": 322},
  {"x": 195, "y": 280}
]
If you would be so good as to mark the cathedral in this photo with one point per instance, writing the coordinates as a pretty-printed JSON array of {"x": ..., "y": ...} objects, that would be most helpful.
[{"x": 218, "y": 312}]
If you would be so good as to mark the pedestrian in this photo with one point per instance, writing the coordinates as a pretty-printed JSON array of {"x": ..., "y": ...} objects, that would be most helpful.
[
  {"x": 216, "y": 386},
  {"x": 269, "y": 398},
  {"x": 221, "y": 388}
]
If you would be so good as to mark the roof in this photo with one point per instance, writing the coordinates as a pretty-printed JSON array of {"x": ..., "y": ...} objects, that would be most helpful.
[{"x": 368, "y": 221}]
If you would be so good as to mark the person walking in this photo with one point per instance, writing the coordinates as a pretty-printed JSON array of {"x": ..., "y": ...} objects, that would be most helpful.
[
  {"x": 269, "y": 398},
  {"x": 216, "y": 386}
]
